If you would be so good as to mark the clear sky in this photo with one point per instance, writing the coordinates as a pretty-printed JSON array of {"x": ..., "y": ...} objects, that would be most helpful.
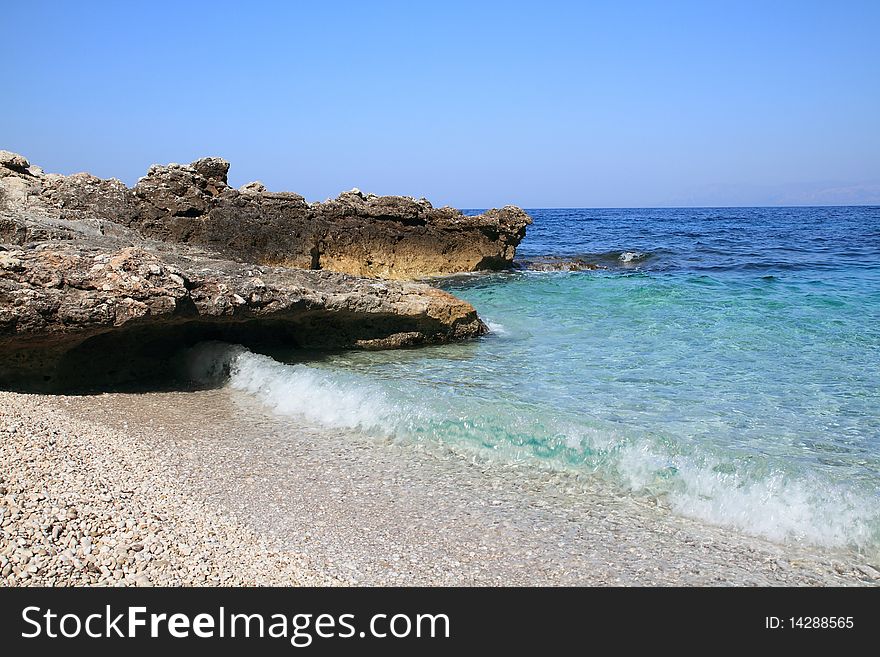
[{"x": 474, "y": 104}]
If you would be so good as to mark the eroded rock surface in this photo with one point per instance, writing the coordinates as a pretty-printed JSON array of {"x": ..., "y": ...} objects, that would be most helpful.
[
  {"x": 393, "y": 237},
  {"x": 85, "y": 296},
  {"x": 363, "y": 234}
]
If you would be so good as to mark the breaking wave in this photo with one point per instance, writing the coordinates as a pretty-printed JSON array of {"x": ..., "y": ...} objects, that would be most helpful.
[{"x": 765, "y": 498}]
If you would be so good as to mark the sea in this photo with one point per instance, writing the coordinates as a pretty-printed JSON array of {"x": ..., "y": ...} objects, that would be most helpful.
[{"x": 722, "y": 361}]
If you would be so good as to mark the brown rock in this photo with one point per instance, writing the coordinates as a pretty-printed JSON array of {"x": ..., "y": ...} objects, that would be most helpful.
[
  {"x": 212, "y": 168},
  {"x": 363, "y": 234},
  {"x": 91, "y": 309},
  {"x": 101, "y": 284}
]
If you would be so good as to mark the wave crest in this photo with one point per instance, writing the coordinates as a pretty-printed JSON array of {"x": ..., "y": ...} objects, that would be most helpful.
[{"x": 768, "y": 501}]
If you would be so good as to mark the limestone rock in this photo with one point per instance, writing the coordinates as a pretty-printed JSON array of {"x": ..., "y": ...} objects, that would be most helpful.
[
  {"x": 255, "y": 187},
  {"x": 13, "y": 163},
  {"x": 212, "y": 168},
  {"x": 88, "y": 302},
  {"x": 363, "y": 234},
  {"x": 100, "y": 283},
  {"x": 395, "y": 237}
]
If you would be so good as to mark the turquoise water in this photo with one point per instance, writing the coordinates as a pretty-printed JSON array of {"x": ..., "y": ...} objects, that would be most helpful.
[{"x": 726, "y": 362}]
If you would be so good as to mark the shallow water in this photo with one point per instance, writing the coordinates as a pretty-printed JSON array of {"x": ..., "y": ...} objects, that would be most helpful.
[
  {"x": 725, "y": 361},
  {"x": 377, "y": 511}
]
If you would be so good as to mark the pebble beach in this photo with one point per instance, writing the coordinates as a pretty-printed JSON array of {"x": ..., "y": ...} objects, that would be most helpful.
[
  {"x": 93, "y": 493},
  {"x": 81, "y": 505}
]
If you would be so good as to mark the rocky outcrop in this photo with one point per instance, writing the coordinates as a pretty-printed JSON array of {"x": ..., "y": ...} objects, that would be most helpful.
[
  {"x": 86, "y": 299},
  {"x": 392, "y": 237},
  {"x": 363, "y": 234}
]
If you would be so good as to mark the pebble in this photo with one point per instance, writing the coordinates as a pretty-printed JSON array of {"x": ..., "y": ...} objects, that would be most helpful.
[
  {"x": 80, "y": 505},
  {"x": 869, "y": 571}
]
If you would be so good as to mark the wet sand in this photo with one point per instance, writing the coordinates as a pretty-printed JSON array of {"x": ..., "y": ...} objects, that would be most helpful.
[{"x": 370, "y": 511}]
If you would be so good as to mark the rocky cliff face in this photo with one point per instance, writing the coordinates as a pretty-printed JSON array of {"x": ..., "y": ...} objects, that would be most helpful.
[
  {"x": 103, "y": 284},
  {"x": 393, "y": 237}
]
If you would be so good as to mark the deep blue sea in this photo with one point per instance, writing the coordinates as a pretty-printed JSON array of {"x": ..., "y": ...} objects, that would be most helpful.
[{"x": 724, "y": 361}]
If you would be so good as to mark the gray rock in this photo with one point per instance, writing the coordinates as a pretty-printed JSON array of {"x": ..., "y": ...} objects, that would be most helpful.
[
  {"x": 85, "y": 300},
  {"x": 102, "y": 283},
  {"x": 255, "y": 187},
  {"x": 363, "y": 234},
  {"x": 13, "y": 163},
  {"x": 869, "y": 571},
  {"x": 212, "y": 168},
  {"x": 97, "y": 309}
]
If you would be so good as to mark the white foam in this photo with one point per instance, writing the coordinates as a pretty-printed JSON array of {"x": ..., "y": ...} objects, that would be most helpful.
[
  {"x": 329, "y": 399},
  {"x": 629, "y": 256},
  {"x": 774, "y": 504},
  {"x": 496, "y": 328},
  {"x": 322, "y": 397},
  {"x": 777, "y": 505}
]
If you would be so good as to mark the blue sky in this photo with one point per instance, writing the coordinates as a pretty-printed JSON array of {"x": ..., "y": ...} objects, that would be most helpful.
[{"x": 549, "y": 104}]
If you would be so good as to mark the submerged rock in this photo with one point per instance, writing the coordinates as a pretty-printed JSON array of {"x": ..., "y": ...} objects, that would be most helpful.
[
  {"x": 103, "y": 284},
  {"x": 551, "y": 263}
]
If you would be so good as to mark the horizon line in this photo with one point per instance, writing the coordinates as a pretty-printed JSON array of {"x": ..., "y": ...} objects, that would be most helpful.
[{"x": 674, "y": 207}]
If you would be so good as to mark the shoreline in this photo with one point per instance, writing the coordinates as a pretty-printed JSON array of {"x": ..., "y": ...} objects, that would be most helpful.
[{"x": 257, "y": 499}]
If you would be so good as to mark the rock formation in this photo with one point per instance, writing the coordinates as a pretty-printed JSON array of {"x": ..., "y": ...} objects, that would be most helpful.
[
  {"x": 101, "y": 283},
  {"x": 392, "y": 237}
]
